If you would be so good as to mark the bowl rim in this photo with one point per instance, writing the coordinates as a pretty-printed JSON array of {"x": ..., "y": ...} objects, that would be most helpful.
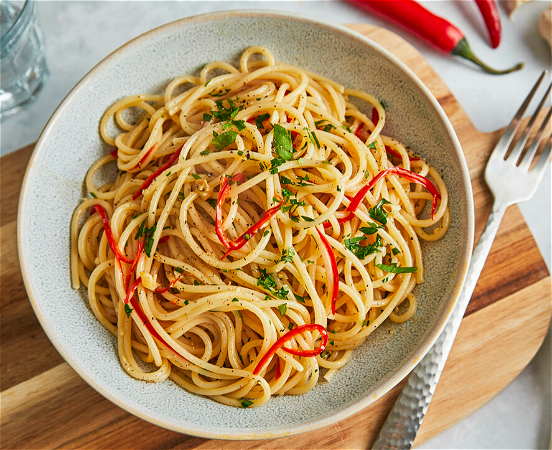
[{"x": 237, "y": 434}]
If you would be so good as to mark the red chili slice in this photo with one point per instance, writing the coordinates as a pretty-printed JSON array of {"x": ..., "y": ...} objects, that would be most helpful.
[
  {"x": 286, "y": 337},
  {"x": 158, "y": 172},
  {"x": 242, "y": 240},
  {"x": 333, "y": 267},
  {"x": 171, "y": 284},
  {"x": 277, "y": 372},
  {"x": 375, "y": 116},
  {"x": 115, "y": 153},
  {"x": 414, "y": 177},
  {"x": 130, "y": 299},
  {"x": 134, "y": 263},
  {"x": 164, "y": 239},
  {"x": 148, "y": 153},
  {"x": 109, "y": 235},
  {"x": 396, "y": 154}
]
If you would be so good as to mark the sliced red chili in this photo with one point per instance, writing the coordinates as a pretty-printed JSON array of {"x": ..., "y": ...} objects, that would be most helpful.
[
  {"x": 134, "y": 263},
  {"x": 130, "y": 299},
  {"x": 171, "y": 284},
  {"x": 277, "y": 371},
  {"x": 164, "y": 239},
  {"x": 112, "y": 244},
  {"x": 333, "y": 268},
  {"x": 148, "y": 153},
  {"x": 242, "y": 240},
  {"x": 396, "y": 154},
  {"x": 375, "y": 116},
  {"x": 158, "y": 172},
  {"x": 115, "y": 153},
  {"x": 414, "y": 177},
  {"x": 286, "y": 337}
]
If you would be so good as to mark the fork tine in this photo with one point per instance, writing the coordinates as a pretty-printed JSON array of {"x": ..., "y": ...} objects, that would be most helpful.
[
  {"x": 506, "y": 139},
  {"x": 528, "y": 157},
  {"x": 520, "y": 144},
  {"x": 544, "y": 159}
]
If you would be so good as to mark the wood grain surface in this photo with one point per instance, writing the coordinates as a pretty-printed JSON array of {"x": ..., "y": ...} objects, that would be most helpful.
[{"x": 45, "y": 404}]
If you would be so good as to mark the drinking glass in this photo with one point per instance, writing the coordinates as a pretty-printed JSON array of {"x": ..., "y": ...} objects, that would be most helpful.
[{"x": 23, "y": 69}]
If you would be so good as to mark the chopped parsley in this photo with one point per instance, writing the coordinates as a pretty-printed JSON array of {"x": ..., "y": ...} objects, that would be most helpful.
[
  {"x": 245, "y": 403},
  {"x": 282, "y": 308},
  {"x": 299, "y": 298},
  {"x": 268, "y": 282},
  {"x": 180, "y": 270},
  {"x": 204, "y": 152},
  {"x": 226, "y": 113},
  {"x": 378, "y": 213},
  {"x": 93, "y": 195},
  {"x": 307, "y": 219},
  {"x": 287, "y": 255},
  {"x": 395, "y": 251},
  {"x": 196, "y": 176},
  {"x": 325, "y": 124},
  {"x": 290, "y": 326},
  {"x": 394, "y": 269},
  {"x": 223, "y": 140},
  {"x": 275, "y": 163},
  {"x": 361, "y": 252},
  {"x": 372, "y": 145},
  {"x": 283, "y": 146},
  {"x": 207, "y": 117},
  {"x": 312, "y": 137},
  {"x": 128, "y": 310},
  {"x": 372, "y": 228},
  {"x": 260, "y": 119},
  {"x": 235, "y": 299}
]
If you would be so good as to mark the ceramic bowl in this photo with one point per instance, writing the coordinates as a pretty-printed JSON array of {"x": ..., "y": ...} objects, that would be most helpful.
[{"x": 70, "y": 143}]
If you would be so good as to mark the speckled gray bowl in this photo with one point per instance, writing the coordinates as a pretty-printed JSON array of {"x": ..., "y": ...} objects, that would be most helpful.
[{"x": 70, "y": 143}]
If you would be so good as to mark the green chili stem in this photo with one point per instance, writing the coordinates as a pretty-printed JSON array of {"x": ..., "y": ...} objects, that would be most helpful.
[{"x": 464, "y": 50}]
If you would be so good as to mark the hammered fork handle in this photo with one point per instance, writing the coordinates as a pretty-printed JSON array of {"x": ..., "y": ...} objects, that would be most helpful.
[{"x": 404, "y": 420}]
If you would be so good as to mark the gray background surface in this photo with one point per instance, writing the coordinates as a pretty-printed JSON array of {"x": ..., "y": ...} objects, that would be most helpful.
[{"x": 80, "y": 34}]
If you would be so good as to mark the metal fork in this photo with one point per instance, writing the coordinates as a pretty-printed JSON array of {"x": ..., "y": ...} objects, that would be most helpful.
[{"x": 511, "y": 181}]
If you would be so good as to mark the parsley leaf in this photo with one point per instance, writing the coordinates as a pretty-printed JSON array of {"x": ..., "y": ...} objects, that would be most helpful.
[
  {"x": 223, "y": 140},
  {"x": 395, "y": 251},
  {"x": 372, "y": 228},
  {"x": 394, "y": 269},
  {"x": 378, "y": 213},
  {"x": 282, "y": 308},
  {"x": 361, "y": 252},
  {"x": 287, "y": 255},
  {"x": 128, "y": 310},
  {"x": 307, "y": 219},
  {"x": 268, "y": 282},
  {"x": 283, "y": 146},
  {"x": 275, "y": 163},
  {"x": 312, "y": 137},
  {"x": 372, "y": 145},
  {"x": 260, "y": 119},
  {"x": 245, "y": 403}
]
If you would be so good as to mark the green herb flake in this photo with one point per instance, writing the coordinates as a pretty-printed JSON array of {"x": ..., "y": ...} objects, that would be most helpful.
[
  {"x": 378, "y": 213},
  {"x": 283, "y": 144},
  {"x": 370, "y": 229},
  {"x": 223, "y": 140},
  {"x": 287, "y": 255},
  {"x": 196, "y": 176},
  {"x": 240, "y": 153},
  {"x": 312, "y": 136},
  {"x": 239, "y": 314},
  {"x": 282, "y": 308},
  {"x": 204, "y": 152},
  {"x": 186, "y": 302},
  {"x": 395, "y": 251},
  {"x": 245, "y": 403},
  {"x": 372, "y": 145},
  {"x": 394, "y": 269},
  {"x": 128, "y": 310},
  {"x": 307, "y": 219},
  {"x": 347, "y": 128},
  {"x": 266, "y": 233},
  {"x": 93, "y": 195},
  {"x": 361, "y": 252},
  {"x": 180, "y": 270},
  {"x": 207, "y": 117},
  {"x": 235, "y": 299}
]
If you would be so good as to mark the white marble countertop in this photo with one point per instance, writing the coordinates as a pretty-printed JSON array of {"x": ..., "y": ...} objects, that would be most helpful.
[{"x": 80, "y": 34}]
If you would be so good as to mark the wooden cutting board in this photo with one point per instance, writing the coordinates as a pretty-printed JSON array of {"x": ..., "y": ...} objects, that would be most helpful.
[{"x": 45, "y": 404}]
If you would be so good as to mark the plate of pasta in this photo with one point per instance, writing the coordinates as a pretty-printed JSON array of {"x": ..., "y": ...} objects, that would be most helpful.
[{"x": 246, "y": 237}]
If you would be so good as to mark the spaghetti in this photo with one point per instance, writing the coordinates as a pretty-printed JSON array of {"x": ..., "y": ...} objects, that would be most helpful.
[{"x": 259, "y": 229}]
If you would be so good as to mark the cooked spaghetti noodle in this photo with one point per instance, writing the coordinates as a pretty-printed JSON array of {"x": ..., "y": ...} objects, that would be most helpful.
[{"x": 259, "y": 229}]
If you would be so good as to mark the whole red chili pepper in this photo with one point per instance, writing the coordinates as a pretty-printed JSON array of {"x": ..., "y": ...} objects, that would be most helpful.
[
  {"x": 333, "y": 267},
  {"x": 436, "y": 30},
  {"x": 414, "y": 177},
  {"x": 286, "y": 337},
  {"x": 158, "y": 172},
  {"x": 490, "y": 14}
]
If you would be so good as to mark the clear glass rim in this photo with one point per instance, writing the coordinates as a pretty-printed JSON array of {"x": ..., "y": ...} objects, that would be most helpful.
[{"x": 11, "y": 33}]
